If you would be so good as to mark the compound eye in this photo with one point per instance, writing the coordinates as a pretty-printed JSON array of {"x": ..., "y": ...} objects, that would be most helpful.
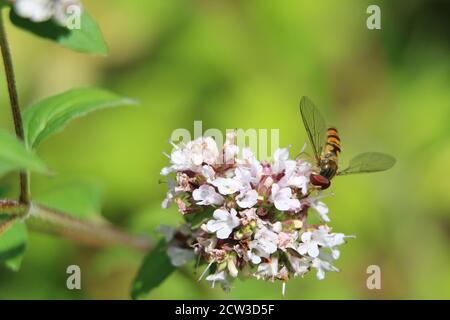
[{"x": 320, "y": 181}]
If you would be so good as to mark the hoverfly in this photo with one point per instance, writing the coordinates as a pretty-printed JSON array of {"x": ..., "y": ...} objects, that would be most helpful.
[{"x": 326, "y": 145}]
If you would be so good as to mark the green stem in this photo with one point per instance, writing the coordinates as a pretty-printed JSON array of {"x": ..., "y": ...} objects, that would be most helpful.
[
  {"x": 92, "y": 233},
  {"x": 14, "y": 102}
]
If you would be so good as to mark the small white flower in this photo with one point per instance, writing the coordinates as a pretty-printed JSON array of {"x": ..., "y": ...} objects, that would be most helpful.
[
  {"x": 227, "y": 186},
  {"x": 296, "y": 175},
  {"x": 193, "y": 156},
  {"x": 322, "y": 209},
  {"x": 330, "y": 240},
  {"x": 309, "y": 245},
  {"x": 263, "y": 245},
  {"x": 243, "y": 176},
  {"x": 268, "y": 270},
  {"x": 180, "y": 256},
  {"x": 323, "y": 264},
  {"x": 171, "y": 194},
  {"x": 179, "y": 162},
  {"x": 251, "y": 164},
  {"x": 207, "y": 195},
  {"x": 253, "y": 257},
  {"x": 167, "y": 231},
  {"x": 220, "y": 277},
  {"x": 35, "y": 10},
  {"x": 282, "y": 199},
  {"x": 223, "y": 223},
  {"x": 279, "y": 160},
  {"x": 277, "y": 227},
  {"x": 318, "y": 206},
  {"x": 247, "y": 199},
  {"x": 299, "y": 265}
]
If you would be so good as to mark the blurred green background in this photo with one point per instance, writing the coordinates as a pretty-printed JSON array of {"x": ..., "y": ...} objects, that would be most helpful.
[{"x": 245, "y": 64}]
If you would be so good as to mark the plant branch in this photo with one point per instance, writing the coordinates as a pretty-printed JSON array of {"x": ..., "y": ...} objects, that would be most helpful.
[
  {"x": 14, "y": 102},
  {"x": 97, "y": 234}
]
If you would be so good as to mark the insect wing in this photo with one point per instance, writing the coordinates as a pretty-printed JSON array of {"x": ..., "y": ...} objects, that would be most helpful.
[
  {"x": 369, "y": 162},
  {"x": 314, "y": 125}
]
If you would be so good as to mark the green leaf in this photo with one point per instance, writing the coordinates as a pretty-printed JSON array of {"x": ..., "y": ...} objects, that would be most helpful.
[
  {"x": 51, "y": 114},
  {"x": 154, "y": 270},
  {"x": 14, "y": 156},
  {"x": 13, "y": 244},
  {"x": 80, "y": 199},
  {"x": 87, "y": 39},
  {"x": 6, "y": 221}
]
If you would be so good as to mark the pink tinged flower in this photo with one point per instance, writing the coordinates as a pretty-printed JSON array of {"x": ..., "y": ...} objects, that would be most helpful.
[
  {"x": 249, "y": 214},
  {"x": 223, "y": 223},
  {"x": 182, "y": 207},
  {"x": 247, "y": 198},
  {"x": 192, "y": 156},
  {"x": 287, "y": 240},
  {"x": 183, "y": 183},
  {"x": 209, "y": 173},
  {"x": 227, "y": 186},
  {"x": 308, "y": 245},
  {"x": 207, "y": 195},
  {"x": 230, "y": 150},
  {"x": 202, "y": 150},
  {"x": 282, "y": 199}
]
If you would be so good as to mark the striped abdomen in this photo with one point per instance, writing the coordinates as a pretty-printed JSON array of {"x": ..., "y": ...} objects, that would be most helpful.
[
  {"x": 329, "y": 160},
  {"x": 333, "y": 142}
]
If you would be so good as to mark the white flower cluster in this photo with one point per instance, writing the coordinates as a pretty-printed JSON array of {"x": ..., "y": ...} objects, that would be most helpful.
[
  {"x": 44, "y": 10},
  {"x": 247, "y": 217}
]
